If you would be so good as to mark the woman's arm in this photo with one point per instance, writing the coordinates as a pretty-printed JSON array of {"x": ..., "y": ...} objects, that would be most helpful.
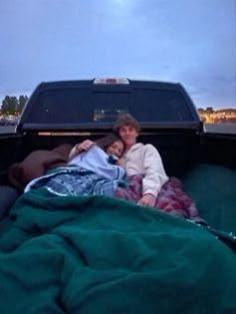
[{"x": 80, "y": 147}]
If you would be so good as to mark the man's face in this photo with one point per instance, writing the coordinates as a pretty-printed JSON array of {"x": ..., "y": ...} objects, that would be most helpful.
[{"x": 128, "y": 134}]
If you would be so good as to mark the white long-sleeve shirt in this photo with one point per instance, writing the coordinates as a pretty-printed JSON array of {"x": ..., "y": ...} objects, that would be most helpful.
[{"x": 146, "y": 160}]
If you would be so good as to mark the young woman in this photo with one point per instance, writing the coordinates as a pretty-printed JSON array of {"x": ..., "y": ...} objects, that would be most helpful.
[
  {"x": 100, "y": 156},
  {"x": 90, "y": 170},
  {"x": 111, "y": 144}
]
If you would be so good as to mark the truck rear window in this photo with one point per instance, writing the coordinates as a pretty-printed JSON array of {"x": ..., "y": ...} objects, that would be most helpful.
[{"x": 77, "y": 105}]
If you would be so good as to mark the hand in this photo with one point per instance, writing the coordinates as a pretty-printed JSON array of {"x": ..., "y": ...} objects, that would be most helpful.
[
  {"x": 121, "y": 162},
  {"x": 85, "y": 145},
  {"x": 147, "y": 200},
  {"x": 78, "y": 148}
]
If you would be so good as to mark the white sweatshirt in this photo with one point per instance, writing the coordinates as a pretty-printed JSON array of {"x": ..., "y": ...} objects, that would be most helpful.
[{"x": 145, "y": 160}]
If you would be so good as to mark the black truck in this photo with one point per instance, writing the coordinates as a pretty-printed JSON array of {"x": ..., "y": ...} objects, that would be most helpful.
[{"x": 67, "y": 112}]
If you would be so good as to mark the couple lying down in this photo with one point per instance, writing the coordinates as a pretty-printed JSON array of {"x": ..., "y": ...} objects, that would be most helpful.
[{"x": 118, "y": 166}]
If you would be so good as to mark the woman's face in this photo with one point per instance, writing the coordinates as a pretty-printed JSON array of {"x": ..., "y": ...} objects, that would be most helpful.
[
  {"x": 116, "y": 148},
  {"x": 128, "y": 134}
]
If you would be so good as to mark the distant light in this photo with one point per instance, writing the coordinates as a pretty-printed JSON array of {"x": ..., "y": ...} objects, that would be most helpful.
[
  {"x": 111, "y": 81},
  {"x": 44, "y": 133}
]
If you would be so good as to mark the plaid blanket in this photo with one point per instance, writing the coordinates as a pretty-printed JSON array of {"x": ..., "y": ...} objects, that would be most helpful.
[
  {"x": 77, "y": 181},
  {"x": 171, "y": 199}
]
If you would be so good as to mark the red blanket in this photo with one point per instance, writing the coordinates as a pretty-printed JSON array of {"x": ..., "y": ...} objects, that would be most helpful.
[{"x": 171, "y": 199}]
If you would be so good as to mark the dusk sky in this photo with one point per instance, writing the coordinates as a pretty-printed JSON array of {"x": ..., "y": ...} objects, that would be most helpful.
[{"x": 187, "y": 41}]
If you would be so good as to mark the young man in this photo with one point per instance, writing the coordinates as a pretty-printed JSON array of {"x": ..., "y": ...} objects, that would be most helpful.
[{"x": 141, "y": 159}]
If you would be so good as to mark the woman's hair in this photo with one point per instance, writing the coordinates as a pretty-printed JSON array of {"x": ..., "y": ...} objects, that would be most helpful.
[
  {"x": 107, "y": 140},
  {"x": 126, "y": 119}
]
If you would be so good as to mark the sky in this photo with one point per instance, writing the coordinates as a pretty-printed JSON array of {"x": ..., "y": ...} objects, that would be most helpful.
[{"x": 186, "y": 41}]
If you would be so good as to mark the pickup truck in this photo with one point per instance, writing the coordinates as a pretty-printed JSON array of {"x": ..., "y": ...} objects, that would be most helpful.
[{"x": 101, "y": 255}]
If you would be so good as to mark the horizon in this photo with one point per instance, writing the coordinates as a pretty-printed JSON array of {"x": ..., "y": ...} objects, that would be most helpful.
[
  {"x": 216, "y": 107},
  {"x": 188, "y": 42}
]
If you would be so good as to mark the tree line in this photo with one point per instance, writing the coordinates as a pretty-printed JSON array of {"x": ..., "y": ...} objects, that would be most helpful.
[{"x": 11, "y": 105}]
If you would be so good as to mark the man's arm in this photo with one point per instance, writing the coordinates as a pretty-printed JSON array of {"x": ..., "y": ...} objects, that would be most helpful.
[{"x": 154, "y": 176}]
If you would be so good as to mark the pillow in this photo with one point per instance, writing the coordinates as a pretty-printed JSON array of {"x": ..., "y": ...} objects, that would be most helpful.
[{"x": 36, "y": 164}]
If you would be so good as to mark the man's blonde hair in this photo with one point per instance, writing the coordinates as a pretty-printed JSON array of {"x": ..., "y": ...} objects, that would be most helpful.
[{"x": 126, "y": 119}]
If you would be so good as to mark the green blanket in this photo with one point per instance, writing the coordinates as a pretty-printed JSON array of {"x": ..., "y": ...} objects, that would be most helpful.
[
  {"x": 100, "y": 255},
  {"x": 212, "y": 187}
]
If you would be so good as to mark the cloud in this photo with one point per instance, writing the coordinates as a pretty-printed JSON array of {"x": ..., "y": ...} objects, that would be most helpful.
[{"x": 187, "y": 41}]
